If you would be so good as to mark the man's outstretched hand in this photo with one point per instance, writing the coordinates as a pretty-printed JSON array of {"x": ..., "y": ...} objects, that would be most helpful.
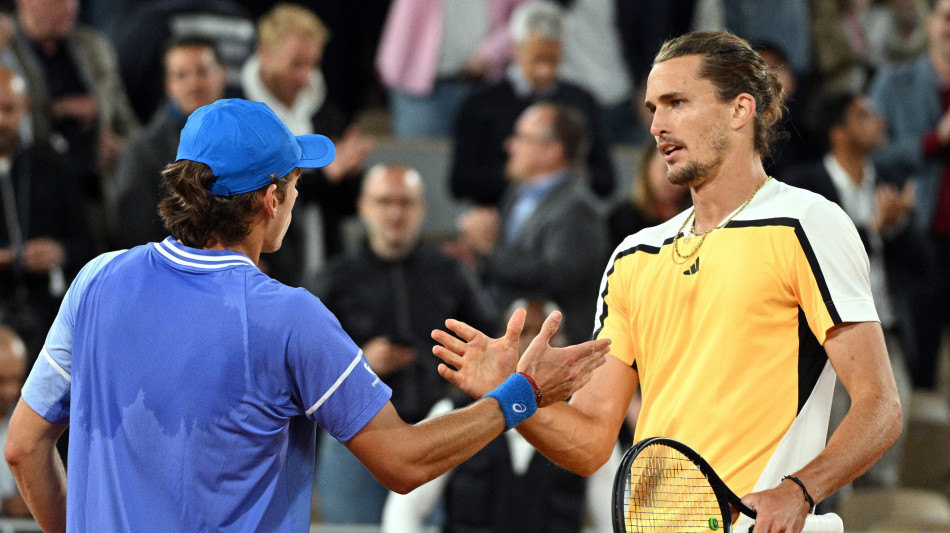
[{"x": 477, "y": 364}]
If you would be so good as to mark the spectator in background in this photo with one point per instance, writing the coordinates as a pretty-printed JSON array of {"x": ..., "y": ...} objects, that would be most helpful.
[
  {"x": 44, "y": 238},
  {"x": 194, "y": 76},
  {"x": 389, "y": 295},
  {"x": 508, "y": 486},
  {"x": 594, "y": 59},
  {"x": 432, "y": 53},
  {"x": 488, "y": 116},
  {"x": 914, "y": 100},
  {"x": 653, "y": 198},
  {"x": 349, "y": 58},
  {"x": 12, "y": 371},
  {"x": 787, "y": 23},
  {"x": 793, "y": 146},
  {"x": 879, "y": 201},
  {"x": 143, "y": 35},
  {"x": 78, "y": 102},
  {"x": 549, "y": 240},
  {"x": 895, "y": 31},
  {"x": 642, "y": 36},
  {"x": 285, "y": 74},
  {"x": 840, "y": 44}
]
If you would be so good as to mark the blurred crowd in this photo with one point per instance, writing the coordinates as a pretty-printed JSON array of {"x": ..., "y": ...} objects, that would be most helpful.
[{"x": 535, "y": 99}]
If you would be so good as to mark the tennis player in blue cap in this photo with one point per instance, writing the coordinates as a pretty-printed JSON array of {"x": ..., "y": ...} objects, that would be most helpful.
[{"x": 192, "y": 383}]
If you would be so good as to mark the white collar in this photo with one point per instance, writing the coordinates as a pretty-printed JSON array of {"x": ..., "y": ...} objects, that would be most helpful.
[
  {"x": 842, "y": 180},
  {"x": 298, "y": 117}
]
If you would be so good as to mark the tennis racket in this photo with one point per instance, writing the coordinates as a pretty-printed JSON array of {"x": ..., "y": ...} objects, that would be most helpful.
[{"x": 664, "y": 485}]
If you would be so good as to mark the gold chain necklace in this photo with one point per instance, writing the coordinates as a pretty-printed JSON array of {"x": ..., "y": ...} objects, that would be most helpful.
[{"x": 678, "y": 256}]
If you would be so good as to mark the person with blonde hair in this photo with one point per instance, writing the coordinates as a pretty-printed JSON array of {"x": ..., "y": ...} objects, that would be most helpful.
[{"x": 285, "y": 74}]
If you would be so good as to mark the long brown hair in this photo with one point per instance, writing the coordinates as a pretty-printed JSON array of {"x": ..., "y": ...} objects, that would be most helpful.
[{"x": 194, "y": 216}]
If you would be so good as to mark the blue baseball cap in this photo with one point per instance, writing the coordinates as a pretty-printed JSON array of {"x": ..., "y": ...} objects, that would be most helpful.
[{"x": 246, "y": 145}]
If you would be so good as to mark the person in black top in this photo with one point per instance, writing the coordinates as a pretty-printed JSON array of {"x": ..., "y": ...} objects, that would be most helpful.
[
  {"x": 44, "y": 238},
  {"x": 653, "y": 199},
  {"x": 389, "y": 295}
]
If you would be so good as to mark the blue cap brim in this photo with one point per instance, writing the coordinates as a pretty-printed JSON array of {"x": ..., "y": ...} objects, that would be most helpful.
[{"x": 317, "y": 151}]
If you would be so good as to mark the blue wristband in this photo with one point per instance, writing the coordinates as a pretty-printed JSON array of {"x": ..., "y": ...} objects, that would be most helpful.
[{"x": 516, "y": 398}]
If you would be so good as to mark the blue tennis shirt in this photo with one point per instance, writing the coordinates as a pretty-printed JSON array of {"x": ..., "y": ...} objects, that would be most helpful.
[{"x": 193, "y": 383}]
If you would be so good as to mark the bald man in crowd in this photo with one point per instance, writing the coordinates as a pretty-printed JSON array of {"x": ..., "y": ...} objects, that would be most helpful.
[
  {"x": 389, "y": 295},
  {"x": 44, "y": 237}
]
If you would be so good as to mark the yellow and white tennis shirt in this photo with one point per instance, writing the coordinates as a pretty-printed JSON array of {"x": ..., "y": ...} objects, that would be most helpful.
[{"x": 728, "y": 344}]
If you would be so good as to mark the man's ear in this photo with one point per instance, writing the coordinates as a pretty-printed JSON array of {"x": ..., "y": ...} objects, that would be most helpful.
[
  {"x": 271, "y": 201},
  {"x": 743, "y": 110}
]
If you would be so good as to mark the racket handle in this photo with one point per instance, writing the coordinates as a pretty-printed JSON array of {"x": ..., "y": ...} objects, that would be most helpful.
[{"x": 823, "y": 523}]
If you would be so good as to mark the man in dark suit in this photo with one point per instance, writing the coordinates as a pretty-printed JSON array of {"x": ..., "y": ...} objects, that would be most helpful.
[
  {"x": 547, "y": 240},
  {"x": 44, "y": 237},
  {"x": 389, "y": 294},
  {"x": 487, "y": 116},
  {"x": 879, "y": 200},
  {"x": 195, "y": 75}
]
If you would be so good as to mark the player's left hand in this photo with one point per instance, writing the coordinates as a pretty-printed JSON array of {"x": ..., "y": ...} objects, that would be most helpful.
[
  {"x": 779, "y": 510},
  {"x": 480, "y": 363}
]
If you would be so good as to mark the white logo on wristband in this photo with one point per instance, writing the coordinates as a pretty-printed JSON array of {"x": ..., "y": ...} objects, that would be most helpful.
[{"x": 519, "y": 408}]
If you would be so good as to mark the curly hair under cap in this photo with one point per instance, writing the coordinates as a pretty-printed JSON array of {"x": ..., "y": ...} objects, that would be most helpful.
[{"x": 195, "y": 217}]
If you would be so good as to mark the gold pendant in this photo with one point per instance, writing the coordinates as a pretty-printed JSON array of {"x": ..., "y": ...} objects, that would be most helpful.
[{"x": 686, "y": 239}]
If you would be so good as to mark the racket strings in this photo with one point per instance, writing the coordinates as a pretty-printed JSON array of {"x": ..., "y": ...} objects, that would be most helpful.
[{"x": 666, "y": 492}]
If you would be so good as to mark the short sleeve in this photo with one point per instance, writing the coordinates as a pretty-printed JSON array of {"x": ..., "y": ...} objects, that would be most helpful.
[
  {"x": 329, "y": 375},
  {"x": 613, "y": 310},
  {"x": 47, "y": 387},
  {"x": 831, "y": 271}
]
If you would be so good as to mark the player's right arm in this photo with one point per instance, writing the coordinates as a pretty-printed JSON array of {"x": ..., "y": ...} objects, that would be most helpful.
[
  {"x": 580, "y": 435},
  {"x": 42, "y": 414},
  {"x": 30, "y": 451},
  {"x": 403, "y": 456}
]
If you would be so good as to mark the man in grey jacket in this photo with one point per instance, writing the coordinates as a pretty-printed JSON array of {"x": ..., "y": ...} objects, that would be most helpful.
[
  {"x": 547, "y": 239},
  {"x": 194, "y": 76}
]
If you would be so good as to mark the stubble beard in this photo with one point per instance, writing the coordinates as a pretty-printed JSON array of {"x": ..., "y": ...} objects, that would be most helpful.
[{"x": 694, "y": 172}]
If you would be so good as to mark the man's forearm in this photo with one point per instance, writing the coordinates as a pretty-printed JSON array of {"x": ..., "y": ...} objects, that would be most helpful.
[
  {"x": 570, "y": 439},
  {"x": 871, "y": 426},
  {"x": 42, "y": 482},
  {"x": 580, "y": 435},
  {"x": 30, "y": 451}
]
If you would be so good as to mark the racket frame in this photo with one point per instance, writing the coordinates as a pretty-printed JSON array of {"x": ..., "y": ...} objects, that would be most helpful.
[{"x": 724, "y": 494}]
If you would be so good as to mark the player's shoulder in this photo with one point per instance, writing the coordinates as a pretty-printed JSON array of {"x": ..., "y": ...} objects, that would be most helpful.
[
  {"x": 265, "y": 289},
  {"x": 652, "y": 238},
  {"x": 789, "y": 205}
]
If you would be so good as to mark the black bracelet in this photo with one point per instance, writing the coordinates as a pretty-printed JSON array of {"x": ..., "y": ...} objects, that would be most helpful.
[{"x": 808, "y": 498}]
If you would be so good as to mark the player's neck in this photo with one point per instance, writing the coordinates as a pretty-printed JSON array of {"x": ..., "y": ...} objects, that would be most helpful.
[
  {"x": 246, "y": 247},
  {"x": 722, "y": 193}
]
